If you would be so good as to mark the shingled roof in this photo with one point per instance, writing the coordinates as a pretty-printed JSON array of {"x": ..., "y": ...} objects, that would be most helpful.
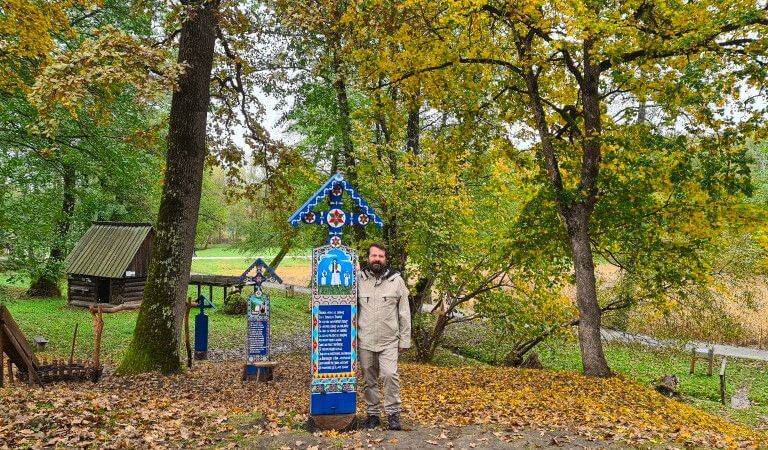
[{"x": 107, "y": 248}]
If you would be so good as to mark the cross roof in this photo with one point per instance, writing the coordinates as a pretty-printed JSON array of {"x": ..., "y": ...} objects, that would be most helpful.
[{"x": 325, "y": 190}]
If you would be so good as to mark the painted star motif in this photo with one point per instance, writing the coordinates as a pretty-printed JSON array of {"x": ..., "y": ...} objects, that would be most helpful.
[{"x": 336, "y": 217}]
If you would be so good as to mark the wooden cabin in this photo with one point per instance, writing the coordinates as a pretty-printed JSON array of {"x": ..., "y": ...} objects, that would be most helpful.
[{"x": 109, "y": 264}]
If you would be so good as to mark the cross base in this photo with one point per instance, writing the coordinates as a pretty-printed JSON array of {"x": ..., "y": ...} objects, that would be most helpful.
[{"x": 338, "y": 422}]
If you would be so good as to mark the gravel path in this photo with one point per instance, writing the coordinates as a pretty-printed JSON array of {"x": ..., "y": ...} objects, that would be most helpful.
[
  {"x": 720, "y": 350},
  {"x": 297, "y": 342}
]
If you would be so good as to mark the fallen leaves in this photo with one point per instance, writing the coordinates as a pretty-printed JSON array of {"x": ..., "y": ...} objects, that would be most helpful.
[
  {"x": 209, "y": 405},
  {"x": 610, "y": 409}
]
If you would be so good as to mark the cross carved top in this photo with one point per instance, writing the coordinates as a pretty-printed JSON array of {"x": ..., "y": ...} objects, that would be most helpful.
[{"x": 335, "y": 217}]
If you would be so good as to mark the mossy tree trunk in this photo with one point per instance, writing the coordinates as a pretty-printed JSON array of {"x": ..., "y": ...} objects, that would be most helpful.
[{"x": 156, "y": 339}]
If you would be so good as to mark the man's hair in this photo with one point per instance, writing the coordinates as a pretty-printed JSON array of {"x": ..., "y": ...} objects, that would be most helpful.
[{"x": 380, "y": 247}]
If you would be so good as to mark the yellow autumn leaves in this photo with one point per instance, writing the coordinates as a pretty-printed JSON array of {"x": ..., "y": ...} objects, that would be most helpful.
[{"x": 613, "y": 408}]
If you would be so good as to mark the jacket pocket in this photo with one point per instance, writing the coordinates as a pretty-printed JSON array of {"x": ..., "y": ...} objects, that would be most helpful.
[
  {"x": 391, "y": 299},
  {"x": 392, "y": 317}
]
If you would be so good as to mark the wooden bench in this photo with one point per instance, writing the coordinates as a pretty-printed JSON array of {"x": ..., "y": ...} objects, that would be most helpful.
[
  {"x": 264, "y": 371},
  {"x": 703, "y": 353}
]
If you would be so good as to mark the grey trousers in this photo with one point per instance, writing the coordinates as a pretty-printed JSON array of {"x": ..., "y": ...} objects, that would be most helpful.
[{"x": 380, "y": 365}]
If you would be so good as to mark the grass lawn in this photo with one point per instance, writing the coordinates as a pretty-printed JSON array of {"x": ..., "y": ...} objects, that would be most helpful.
[
  {"x": 238, "y": 266},
  {"x": 50, "y": 317},
  {"x": 230, "y": 250},
  {"x": 295, "y": 258}
]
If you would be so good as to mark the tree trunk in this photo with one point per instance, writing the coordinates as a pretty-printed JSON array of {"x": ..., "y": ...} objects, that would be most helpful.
[
  {"x": 592, "y": 356},
  {"x": 429, "y": 346},
  {"x": 47, "y": 283},
  {"x": 283, "y": 250},
  {"x": 413, "y": 128},
  {"x": 156, "y": 339},
  {"x": 349, "y": 164},
  {"x": 577, "y": 221},
  {"x": 576, "y": 212}
]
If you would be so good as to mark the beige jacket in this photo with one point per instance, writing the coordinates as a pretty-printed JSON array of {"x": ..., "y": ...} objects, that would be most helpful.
[{"x": 384, "y": 315}]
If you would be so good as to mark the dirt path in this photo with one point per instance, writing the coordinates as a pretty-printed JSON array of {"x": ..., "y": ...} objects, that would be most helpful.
[{"x": 420, "y": 437}]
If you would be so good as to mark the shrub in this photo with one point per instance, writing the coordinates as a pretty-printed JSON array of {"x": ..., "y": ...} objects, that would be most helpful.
[{"x": 235, "y": 304}]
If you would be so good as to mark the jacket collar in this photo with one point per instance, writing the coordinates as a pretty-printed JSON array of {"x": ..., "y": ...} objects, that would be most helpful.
[{"x": 388, "y": 275}]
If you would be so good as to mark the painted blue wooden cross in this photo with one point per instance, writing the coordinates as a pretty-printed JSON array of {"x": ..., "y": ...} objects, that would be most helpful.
[
  {"x": 264, "y": 273},
  {"x": 333, "y": 362},
  {"x": 335, "y": 217},
  {"x": 258, "y": 367}
]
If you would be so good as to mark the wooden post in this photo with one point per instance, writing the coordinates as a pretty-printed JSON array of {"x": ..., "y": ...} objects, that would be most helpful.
[
  {"x": 98, "y": 327},
  {"x": 210, "y": 292},
  {"x": 711, "y": 357},
  {"x": 693, "y": 361},
  {"x": 72, "y": 351},
  {"x": 10, "y": 371},
  {"x": 722, "y": 381},
  {"x": 31, "y": 375},
  {"x": 225, "y": 295}
]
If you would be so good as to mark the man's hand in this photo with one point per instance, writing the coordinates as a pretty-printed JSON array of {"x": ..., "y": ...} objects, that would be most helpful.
[{"x": 402, "y": 350}]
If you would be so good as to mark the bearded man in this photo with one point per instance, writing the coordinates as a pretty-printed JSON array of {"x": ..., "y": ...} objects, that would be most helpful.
[{"x": 384, "y": 331}]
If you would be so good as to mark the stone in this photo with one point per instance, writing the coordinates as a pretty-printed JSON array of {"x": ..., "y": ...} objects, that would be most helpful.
[
  {"x": 532, "y": 362},
  {"x": 740, "y": 399},
  {"x": 668, "y": 385}
]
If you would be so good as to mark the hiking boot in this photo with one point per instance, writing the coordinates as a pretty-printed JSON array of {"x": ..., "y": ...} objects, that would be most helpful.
[
  {"x": 371, "y": 422},
  {"x": 394, "y": 422}
]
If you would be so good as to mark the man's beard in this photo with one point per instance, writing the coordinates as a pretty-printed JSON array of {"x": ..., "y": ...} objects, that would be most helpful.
[{"x": 377, "y": 268}]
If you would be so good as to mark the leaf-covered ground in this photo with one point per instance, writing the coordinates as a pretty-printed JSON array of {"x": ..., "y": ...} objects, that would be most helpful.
[{"x": 209, "y": 406}]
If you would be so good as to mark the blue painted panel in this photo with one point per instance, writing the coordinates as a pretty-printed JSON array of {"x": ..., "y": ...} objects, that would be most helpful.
[
  {"x": 201, "y": 333},
  {"x": 258, "y": 339},
  {"x": 333, "y": 403},
  {"x": 335, "y": 339}
]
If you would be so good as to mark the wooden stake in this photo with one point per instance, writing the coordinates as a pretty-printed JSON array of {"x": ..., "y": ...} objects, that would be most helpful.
[
  {"x": 98, "y": 327},
  {"x": 722, "y": 381},
  {"x": 72, "y": 351},
  {"x": 31, "y": 374},
  {"x": 10, "y": 371},
  {"x": 2, "y": 361},
  {"x": 187, "y": 343}
]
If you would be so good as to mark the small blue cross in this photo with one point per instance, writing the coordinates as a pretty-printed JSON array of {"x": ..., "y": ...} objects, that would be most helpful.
[{"x": 263, "y": 274}]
